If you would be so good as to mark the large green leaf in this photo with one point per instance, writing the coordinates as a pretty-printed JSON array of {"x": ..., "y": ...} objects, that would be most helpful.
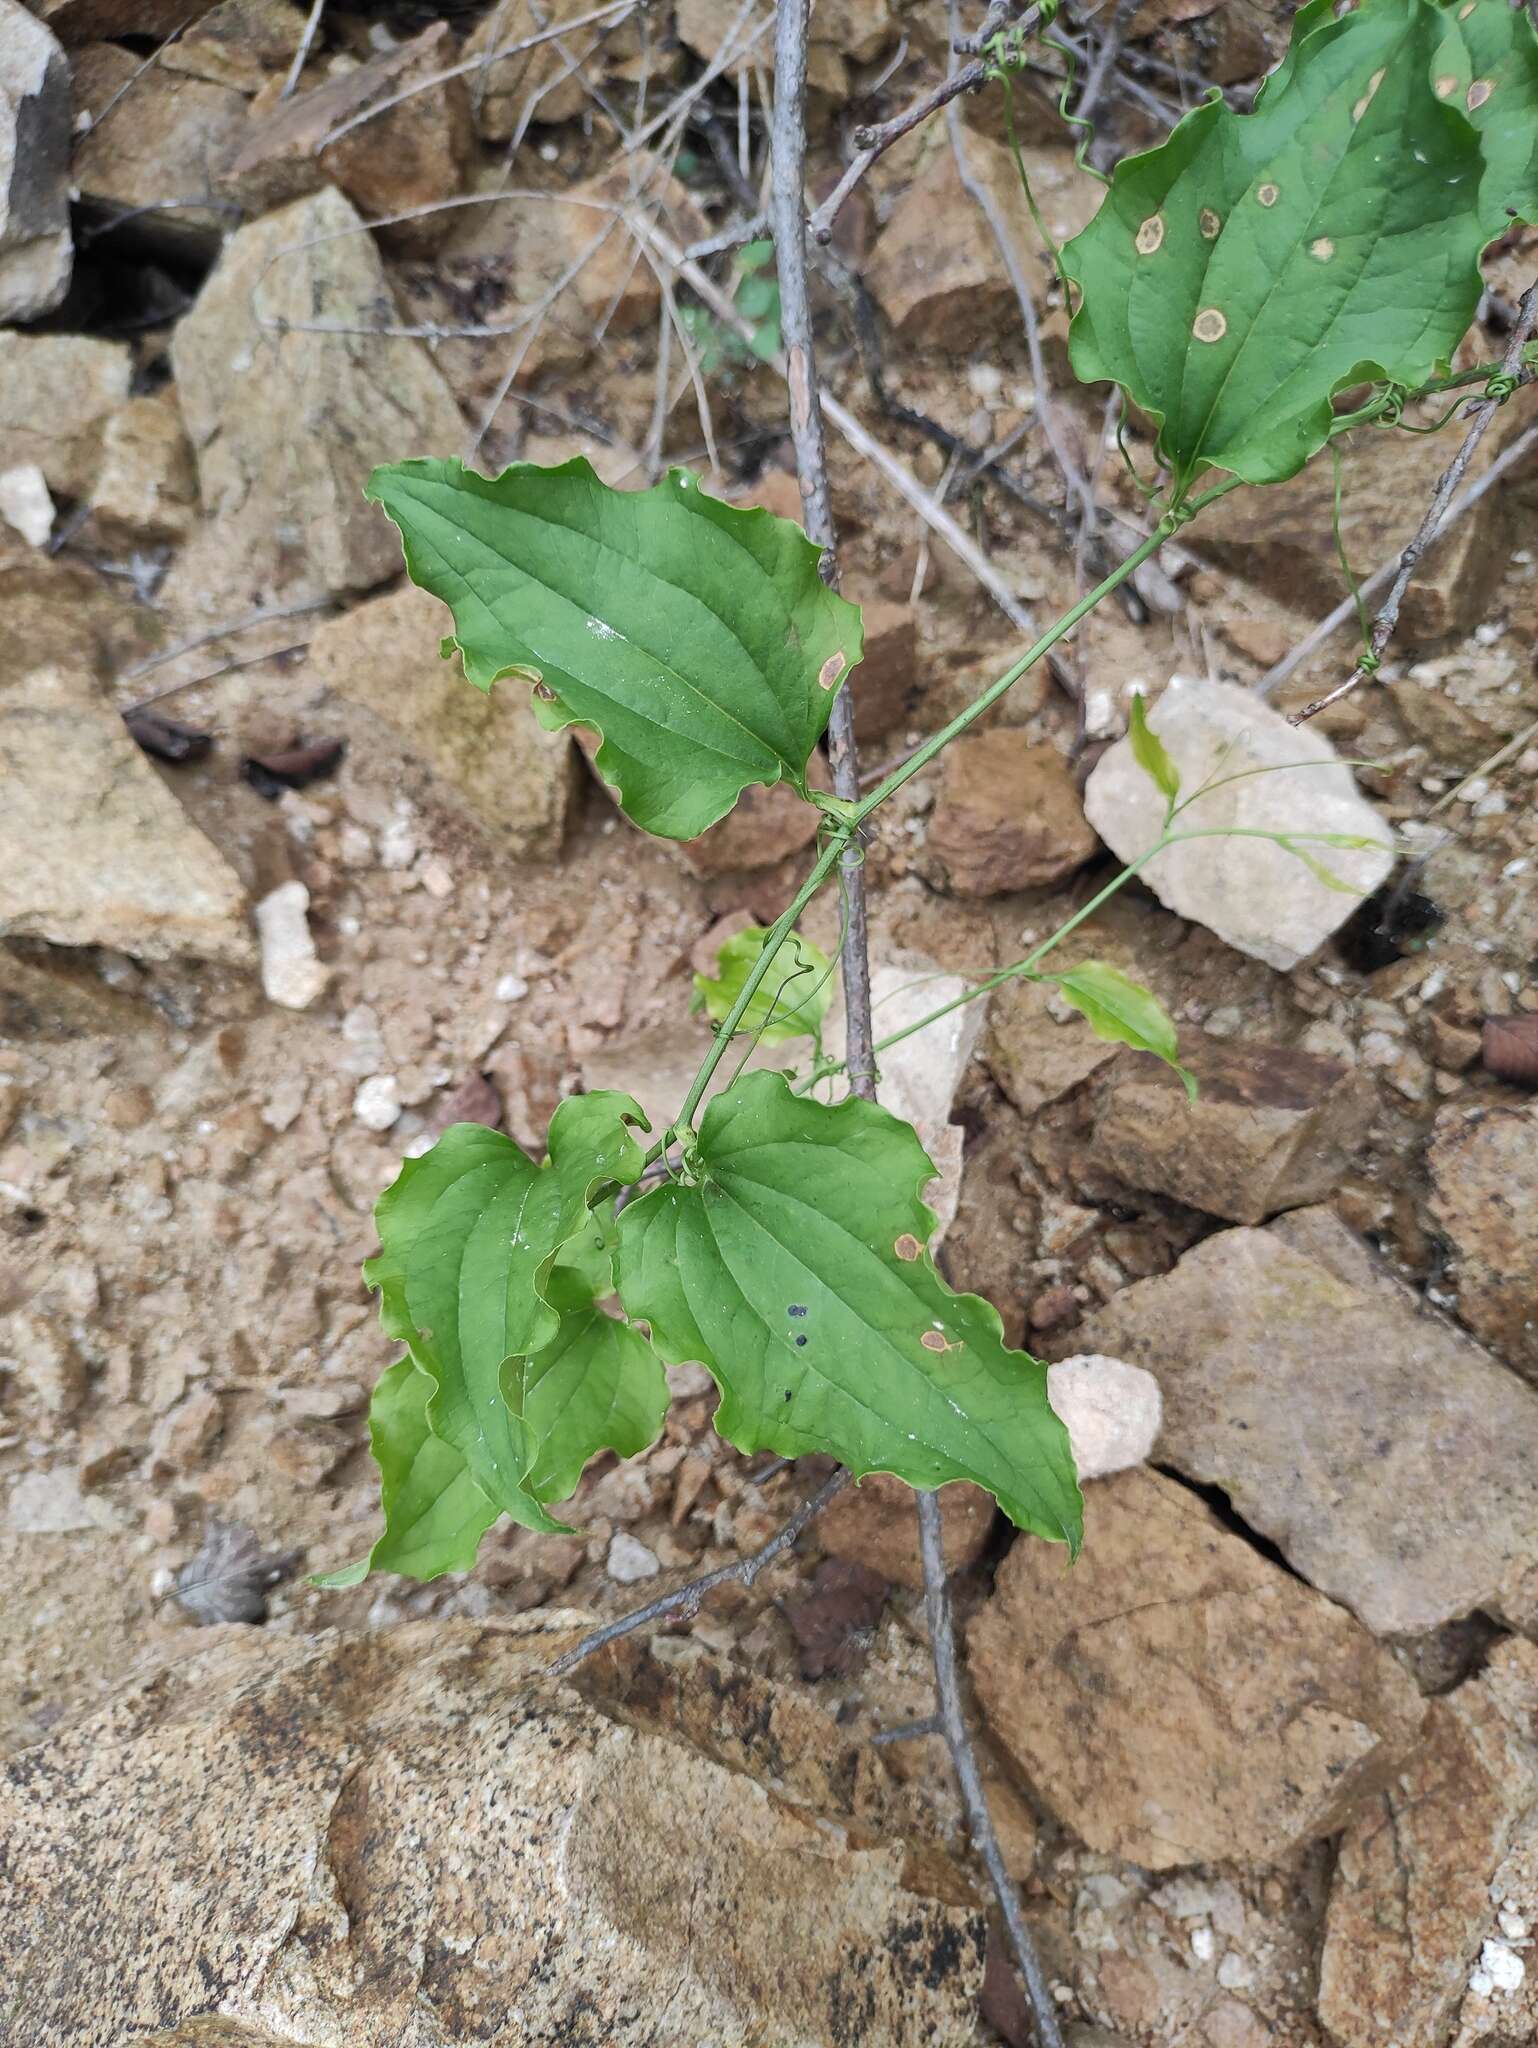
[
  {"x": 597, "y": 1386},
  {"x": 435, "y": 1514},
  {"x": 468, "y": 1234},
  {"x": 1239, "y": 275},
  {"x": 794, "y": 1266},
  {"x": 791, "y": 1000},
  {"x": 1121, "y": 1010},
  {"x": 1488, "y": 65},
  {"x": 696, "y": 638}
]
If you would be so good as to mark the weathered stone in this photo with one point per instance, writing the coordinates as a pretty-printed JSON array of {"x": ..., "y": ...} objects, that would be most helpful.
[
  {"x": 162, "y": 139},
  {"x": 36, "y": 253},
  {"x": 615, "y": 287},
  {"x": 411, "y": 1835},
  {"x": 1271, "y": 1128},
  {"x": 489, "y": 749},
  {"x": 946, "y": 288},
  {"x": 764, "y": 826},
  {"x": 546, "y": 80},
  {"x": 1343, "y": 1422},
  {"x": 26, "y": 504},
  {"x": 1007, "y": 816},
  {"x": 1484, "y": 1198},
  {"x": 875, "y": 1524},
  {"x": 1410, "y": 1904},
  {"x": 841, "y": 33},
  {"x": 146, "y": 488},
  {"x": 94, "y": 849},
  {"x": 238, "y": 42},
  {"x": 1501, "y": 2007},
  {"x": 886, "y": 682},
  {"x": 56, "y": 392},
  {"x": 1036, "y": 1048},
  {"x": 413, "y": 154},
  {"x": 1282, "y": 539},
  {"x": 1253, "y": 894},
  {"x": 286, "y": 426},
  {"x": 1111, "y": 1410},
  {"x": 292, "y": 973},
  {"x": 1178, "y": 1699},
  {"x": 1465, "y": 705}
]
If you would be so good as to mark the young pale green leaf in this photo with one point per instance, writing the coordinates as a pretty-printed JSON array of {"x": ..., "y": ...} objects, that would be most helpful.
[
  {"x": 795, "y": 1268},
  {"x": 695, "y": 638},
  {"x": 791, "y": 1000},
  {"x": 597, "y": 1386},
  {"x": 1122, "y": 1010},
  {"x": 1253, "y": 265},
  {"x": 435, "y": 1514},
  {"x": 1149, "y": 752},
  {"x": 468, "y": 1234}
]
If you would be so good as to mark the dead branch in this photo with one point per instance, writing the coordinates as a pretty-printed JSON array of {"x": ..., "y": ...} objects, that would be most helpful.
[
  {"x": 1481, "y": 411},
  {"x": 302, "y": 53}
]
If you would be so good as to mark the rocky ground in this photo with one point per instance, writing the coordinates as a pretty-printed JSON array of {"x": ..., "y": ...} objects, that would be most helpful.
[{"x": 281, "y": 898}]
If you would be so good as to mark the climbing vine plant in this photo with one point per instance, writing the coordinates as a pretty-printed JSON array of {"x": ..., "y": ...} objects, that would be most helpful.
[{"x": 1235, "y": 281}]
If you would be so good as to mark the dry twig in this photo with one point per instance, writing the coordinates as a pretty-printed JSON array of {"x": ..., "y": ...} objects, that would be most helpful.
[
  {"x": 1481, "y": 411},
  {"x": 302, "y": 54}
]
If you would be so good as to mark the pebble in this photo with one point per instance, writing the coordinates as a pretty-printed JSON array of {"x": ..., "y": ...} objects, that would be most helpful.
[
  {"x": 291, "y": 974},
  {"x": 512, "y": 988},
  {"x": 1500, "y": 1969},
  {"x": 1112, "y": 1411},
  {"x": 629, "y": 1560},
  {"x": 377, "y": 1103},
  {"x": 25, "y": 504}
]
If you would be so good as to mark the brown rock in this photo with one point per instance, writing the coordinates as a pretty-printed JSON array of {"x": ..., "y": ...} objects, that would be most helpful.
[
  {"x": 875, "y": 1524},
  {"x": 886, "y": 682},
  {"x": 56, "y": 393},
  {"x": 615, "y": 286},
  {"x": 1271, "y": 1128},
  {"x": 160, "y": 140},
  {"x": 414, "y": 154},
  {"x": 833, "y": 1624},
  {"x": 842, "y": 32},
  {"x": 546, "y": 82},
  {"x": 1271, "y": 1713},
  {"x": 764, "y": 826},
  {"x": 190, "y": 1431},
  {"x": 89, "y": 21},
  {"x": 1411, "y": 1897},
  {"x": 488, "y": 748},
  {"x": 94, "y": 848},
  {"x": 36, "y": 253},
  {"x": 1508, "y": 1047},
  {"x": 944, "y": 286},
  {"x": 146, "y": 488},
  {"x": 1342, "y": 1421},
  {"x": 286, "y": 426},
  {"x": 241, "y": 43},
  {"x": 1007, "y": 817},
  {"x": 1484, "y": 1199},
  {"x": 370, "y": 1837}
]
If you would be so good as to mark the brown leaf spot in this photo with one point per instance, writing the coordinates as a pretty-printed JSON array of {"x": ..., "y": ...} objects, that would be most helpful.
[
  {"x": 1209, "y": 325},
  {"x": 907, "y": 1246},
  {"x": 1209, "y": 222},
  {"x": 1322, "y": 250},
  {"x": 1447, "y": 85},
  {"x": 831, "y": 670},
  {"x": 1269, "y": 194},
  {"x": 544, "y": 693},
  {"x": 1367, "y": 97},
  {"x": 933, "y": 1340},
  {"x": 1479, "y": 92},
  {"x": 1150, "y": 236}
]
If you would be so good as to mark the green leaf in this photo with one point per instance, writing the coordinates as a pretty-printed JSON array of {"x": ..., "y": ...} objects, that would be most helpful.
[
  {"x": 598, "y": 1385},
  {"x": 695, "y": 638},
  {"x": 791, "y": 1000},
  {"x": 1117, "y": 1008},
  {"x": 1148, "y": 751},
  {"x": 435, "y": 1514},
  {"x": 1253, "y": 265},
  {"x": 1491, "y": 45},
  {"x": 794, "y": 1267},
  {"x": 468, "y": 1234},
  {"x": 1317, "y": 868}
]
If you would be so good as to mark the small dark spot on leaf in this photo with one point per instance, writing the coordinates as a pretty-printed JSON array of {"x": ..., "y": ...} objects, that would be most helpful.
[
  {"x": 800, "y": 1340},
  {"x": 797, "y": 1308}
]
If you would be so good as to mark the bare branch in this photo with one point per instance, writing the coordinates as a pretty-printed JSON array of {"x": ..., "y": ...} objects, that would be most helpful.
[
  {"x": 302, "y": 54},
  {"x": 942, "y": 1644},
  {"x": 1105, "y": 58},
  {"x": 685, "y": 1601},
  {"x": 875, "y": 142},
  {"x": 1481, "y": 411}
]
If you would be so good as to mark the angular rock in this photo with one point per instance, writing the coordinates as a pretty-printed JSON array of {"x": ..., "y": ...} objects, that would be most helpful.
[
  {"x": 239, "y": 42},
  {"x": 56, "y": 394},
  {"x": 409, "y": 1835},
  {"x": 1112, "y": 1411},
  {"x": 948, "y": 290},
  {"x": 1007, "y": 817},
  {"x": 1178, "y": 1699},
  {"x": 514, "y": 778},
  {"x": 286, "y": 426},
  {"x": 414, "y": 154},
  {"x": 1036, "y": 1048},
  {"x": 842, "y": 32},
  {"x": 1393, "y": 1462},
  {"x": 36, "y": 254},
  {"x": 1271, "y": 1128},
  {"x": 1410, "y": 1905},
  {"x": 886, "y": 683},
  {"x": 541, "y": 83},
  {"x": 875, "y": 1524},
  {"x": 764, "y": 826},
  {"x": 1484, "y": 1199},
  {"x": 89, "y": 21},
  {"x": 146, "y": 489},
  {"x": 1465, "y": 705},
  {"x": 1255, "y": 895},
  {"x": 161, "y": 140},
  {"x": 94, "y": 849},
  {"x": 26, "y": 504}
]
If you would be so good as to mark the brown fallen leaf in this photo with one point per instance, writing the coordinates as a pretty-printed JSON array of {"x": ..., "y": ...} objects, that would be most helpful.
[
  {"x": 231, "y": 1575},
  {"x": 292, "y": 767},
  {"x": 165, "y": 738},
  {"x": 835, "y": 1622}
]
